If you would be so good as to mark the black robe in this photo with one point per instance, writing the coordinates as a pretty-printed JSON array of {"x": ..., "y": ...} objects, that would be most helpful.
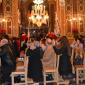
[
  {"x": 35, "y": 64},
  {"x": 65, "y": 67}
]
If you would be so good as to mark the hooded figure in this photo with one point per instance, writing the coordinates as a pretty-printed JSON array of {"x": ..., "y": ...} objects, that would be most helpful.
[{"x": 7, "y": 61}]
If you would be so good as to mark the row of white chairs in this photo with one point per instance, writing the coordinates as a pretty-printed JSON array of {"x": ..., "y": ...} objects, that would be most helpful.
[{"x": 53, "y": 71}]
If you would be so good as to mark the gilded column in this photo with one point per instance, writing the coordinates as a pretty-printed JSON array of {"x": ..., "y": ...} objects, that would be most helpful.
[
  {"x": 15, "y": 23},
  {"x": 52, "y": 8},
  {"x": 62, "y": 16},
  {"x": 57, "y": 19}
]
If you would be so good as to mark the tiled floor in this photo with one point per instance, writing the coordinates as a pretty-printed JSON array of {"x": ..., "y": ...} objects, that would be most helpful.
[{"x": 71, "y": 82}]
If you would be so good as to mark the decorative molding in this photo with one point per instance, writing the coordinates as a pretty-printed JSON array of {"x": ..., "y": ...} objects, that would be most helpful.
[
  {"x": 81, "y": 6},
  {"x": 7, "y": 7},
  {"x": 75, "y": 19},
  {"x": 9, "y": 25}
]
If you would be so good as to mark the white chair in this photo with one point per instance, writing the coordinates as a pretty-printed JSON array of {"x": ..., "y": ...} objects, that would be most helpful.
[
  {"x": 80, "y": 71},
  {"x": 72, "y": 58},
  {"x": 52, "y": 70},
  {"x": 75, "y": 53},
  {"x": 80, "y": 74},
  {"x": 21, "y": 70}
]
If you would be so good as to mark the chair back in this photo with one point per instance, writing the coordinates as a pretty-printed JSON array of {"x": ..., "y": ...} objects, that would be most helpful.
[
  {"x": 57, "y": 61},
  {"x": 72, "y": 55},
  {"x": 84, "y": 58},
  {"x": 77, "y": 53},
  {"x": 26, "y": 60},
  {"x": 50, "y": 59}
]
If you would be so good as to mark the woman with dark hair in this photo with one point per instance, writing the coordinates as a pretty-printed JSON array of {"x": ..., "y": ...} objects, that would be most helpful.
[{"x": 63, "y": 47}]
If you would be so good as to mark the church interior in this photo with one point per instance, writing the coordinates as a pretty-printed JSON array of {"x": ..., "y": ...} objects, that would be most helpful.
[
  {"x": 65, "y": 16},
  {"x": 30, "y": 29}
]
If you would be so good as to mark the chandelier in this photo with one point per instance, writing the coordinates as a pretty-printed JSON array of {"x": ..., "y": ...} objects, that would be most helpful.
[
  {"x": 62, "y": 2},
  {"x": 38, "y": 1},
  {"x": 39, "y": 14}
]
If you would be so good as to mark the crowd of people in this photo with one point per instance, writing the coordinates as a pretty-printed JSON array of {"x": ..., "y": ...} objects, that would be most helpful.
[{"x": 39, "y": 52}]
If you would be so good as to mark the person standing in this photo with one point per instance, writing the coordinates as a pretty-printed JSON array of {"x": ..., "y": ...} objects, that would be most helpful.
[
  {"x": 63, "y": 47},
  {"x": 35, "y": 65},
  {"x": 7, "y": 61}
]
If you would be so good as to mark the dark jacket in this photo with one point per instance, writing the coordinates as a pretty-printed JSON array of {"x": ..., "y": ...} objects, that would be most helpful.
[
  {"x": 7, "y": 61},
  {"x": 35, "y": 64},
  {"x": 65, "y": 66}
]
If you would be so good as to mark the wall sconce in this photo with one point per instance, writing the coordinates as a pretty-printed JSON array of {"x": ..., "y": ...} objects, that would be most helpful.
[
  {"x": 62, "y": 2},
  {"x": 79, "y": 18},
  {"x": 4, "y": 20},
  {"x": 75, "y": 19}
]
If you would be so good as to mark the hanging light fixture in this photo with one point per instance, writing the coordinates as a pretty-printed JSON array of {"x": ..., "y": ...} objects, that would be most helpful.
[
  {"x": 39, "y": 14},
  {"x": 38, "y": 1},
  {"x": 62, "y": 2}
]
